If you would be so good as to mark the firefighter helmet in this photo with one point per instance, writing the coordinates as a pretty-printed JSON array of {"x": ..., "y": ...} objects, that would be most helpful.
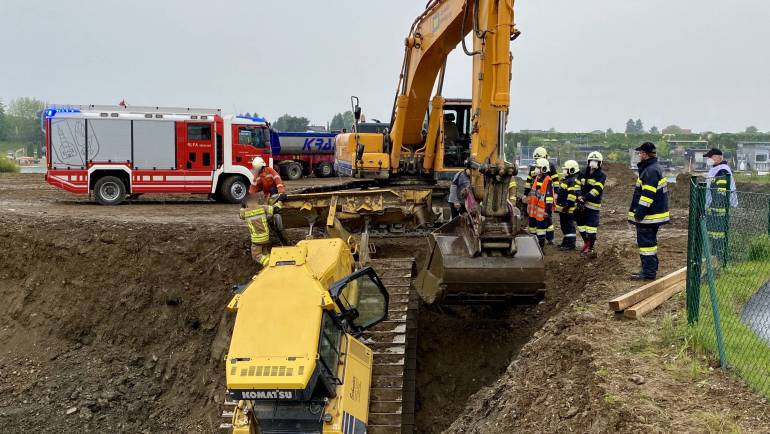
[
  {"x": 540, "y": 152},
  {"x": 543, "y": 165},
  {"x": 258, "y": 163},
  {"x": 571, "y": 167},
  {"x": 595, "y": 155}
]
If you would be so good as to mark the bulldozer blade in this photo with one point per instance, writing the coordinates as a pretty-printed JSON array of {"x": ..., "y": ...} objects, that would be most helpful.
[{"x": 453, "y": 275}]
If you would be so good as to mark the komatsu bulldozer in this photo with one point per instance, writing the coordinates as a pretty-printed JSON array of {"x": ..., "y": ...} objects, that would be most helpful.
[
  {"x": 484, "y": 255},
  {"x": 296, "y": 361}
]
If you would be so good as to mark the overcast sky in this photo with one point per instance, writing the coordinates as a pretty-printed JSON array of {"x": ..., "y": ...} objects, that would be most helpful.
[{"x": 579, "y": 65}]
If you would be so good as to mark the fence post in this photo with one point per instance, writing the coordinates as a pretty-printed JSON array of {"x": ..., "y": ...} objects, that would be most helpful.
[
  {"x": 694, "y": 251},
  {"x": 726, "y": 222},
  {"x": 713, "y": 293}
]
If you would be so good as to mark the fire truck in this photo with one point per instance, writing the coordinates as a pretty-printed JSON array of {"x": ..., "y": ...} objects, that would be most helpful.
[{"x": 115, "y": 152}]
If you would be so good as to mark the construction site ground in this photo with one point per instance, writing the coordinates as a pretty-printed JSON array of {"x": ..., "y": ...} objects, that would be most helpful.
[{"x": 113, "y": 320}]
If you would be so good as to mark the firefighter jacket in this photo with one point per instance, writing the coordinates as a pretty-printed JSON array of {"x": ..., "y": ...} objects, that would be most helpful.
[
  {"x": 567, "y": 191},
  {"x": 257, "y": 220},
  {"x": 649, "y": 204},
  {"x": 540, "y": 199},
  {"x": 592, "y": 187},
  {"x": 552, "y": 172},
  {"x": 268, "y": 182}
]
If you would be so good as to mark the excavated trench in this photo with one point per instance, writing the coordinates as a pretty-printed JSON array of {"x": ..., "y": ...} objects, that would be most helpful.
[{"x": 121, "y": 327}]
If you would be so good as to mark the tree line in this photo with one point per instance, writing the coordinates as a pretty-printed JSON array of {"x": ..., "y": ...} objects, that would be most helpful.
[{"x": 20, "y": 125}]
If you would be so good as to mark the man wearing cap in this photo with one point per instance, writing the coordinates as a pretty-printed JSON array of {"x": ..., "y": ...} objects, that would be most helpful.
[
  {"x": 718, "y": 200},
  {"x": 649, "y": 209}
]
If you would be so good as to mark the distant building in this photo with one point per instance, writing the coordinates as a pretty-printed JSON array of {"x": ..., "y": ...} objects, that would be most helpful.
[
  {"x": 316, "y": 128},
  {"x": 533, "y": 131},
  {"x": 753, "y": 156}
]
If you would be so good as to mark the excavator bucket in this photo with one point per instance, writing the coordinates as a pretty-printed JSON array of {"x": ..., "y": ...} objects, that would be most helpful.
[{"x": 453, "y": 275}]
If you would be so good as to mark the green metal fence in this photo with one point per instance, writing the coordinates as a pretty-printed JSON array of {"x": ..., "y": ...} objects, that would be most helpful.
[{"x": 728, "y": 277}]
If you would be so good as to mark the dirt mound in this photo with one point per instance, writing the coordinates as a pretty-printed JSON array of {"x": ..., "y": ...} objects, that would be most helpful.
[
  {"x": 619, "y": 186},
  {"x": 114, "y": 327}
]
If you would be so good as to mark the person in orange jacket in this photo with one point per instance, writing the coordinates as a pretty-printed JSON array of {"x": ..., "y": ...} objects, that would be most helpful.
[{"x": 267, "y": 181}]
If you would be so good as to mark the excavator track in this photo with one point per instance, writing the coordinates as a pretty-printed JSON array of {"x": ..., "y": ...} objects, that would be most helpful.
[{"x": 394, "y": 343}]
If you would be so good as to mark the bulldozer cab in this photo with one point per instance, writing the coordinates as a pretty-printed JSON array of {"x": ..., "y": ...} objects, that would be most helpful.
[{"x": 362, "y": 300}]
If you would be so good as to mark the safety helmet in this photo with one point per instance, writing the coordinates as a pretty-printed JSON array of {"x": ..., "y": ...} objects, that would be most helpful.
[
  {"x": 540, "y": 152},
  {"x": 542, "y": 164},
  {"x": 595, "y": 155},
  {"x": 258, "y": 163},
  {"x": 571, "y": 167}
]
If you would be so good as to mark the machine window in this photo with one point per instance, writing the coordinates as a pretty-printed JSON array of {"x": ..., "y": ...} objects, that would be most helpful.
[
  {"x": 198, "y": 131},
  {"x": 364, "y": 295},
  {"x": 330, "y": 343}
]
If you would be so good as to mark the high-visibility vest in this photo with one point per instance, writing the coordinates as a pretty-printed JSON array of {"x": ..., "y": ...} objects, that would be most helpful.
[
  {"x": 256, "y": 220},
  {"x": 536, "y": 199}
]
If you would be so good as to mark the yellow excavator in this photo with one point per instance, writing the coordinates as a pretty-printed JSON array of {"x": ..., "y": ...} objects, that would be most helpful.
[
  {"x": 482, "y": 256},
  {"x": 321, "y": 342}
]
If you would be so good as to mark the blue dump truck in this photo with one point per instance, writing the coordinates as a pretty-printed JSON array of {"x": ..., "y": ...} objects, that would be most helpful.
[{"x": 301, "y": 154}]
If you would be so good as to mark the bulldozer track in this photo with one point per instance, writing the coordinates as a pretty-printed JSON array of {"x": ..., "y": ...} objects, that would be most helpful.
[{"x": 394, "y": 344}]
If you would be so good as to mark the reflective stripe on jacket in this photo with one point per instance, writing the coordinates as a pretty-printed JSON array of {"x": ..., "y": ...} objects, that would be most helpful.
[
  {"x": 649, "y": 204},
  {"x": 256, "y": 220},
  {"x": 268, "y": 182},
  {"x": 540, "y": 193},
  {"x": 592, "y": 188},
  {"x": 566, "y": 194}
]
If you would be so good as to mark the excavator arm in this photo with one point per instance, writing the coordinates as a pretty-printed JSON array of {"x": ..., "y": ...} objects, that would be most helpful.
[{"x": 434, "y": 34}]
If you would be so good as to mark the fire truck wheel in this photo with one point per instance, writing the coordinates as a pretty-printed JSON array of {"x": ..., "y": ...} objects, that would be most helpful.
[
  {"x": 294, "y": 171},
  {"x": 324, "y": 170},
  {"x": 234, "y": 189},
  {"x": 109, "y": 190}
]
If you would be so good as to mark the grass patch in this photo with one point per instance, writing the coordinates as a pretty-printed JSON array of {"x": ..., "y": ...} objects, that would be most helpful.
[
  {"x": 611, "y": 399},
  {"x": 752, "y": 178},
  {"x": 745, "y": 351},
  {"x": 718, "y": 423},
  {"x": 7, "y": 166}
]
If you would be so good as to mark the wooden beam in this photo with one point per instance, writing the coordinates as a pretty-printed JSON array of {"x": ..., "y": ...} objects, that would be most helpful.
[
  {"x": 640, "y": 309},
  {"x": 631, "y": 298}
]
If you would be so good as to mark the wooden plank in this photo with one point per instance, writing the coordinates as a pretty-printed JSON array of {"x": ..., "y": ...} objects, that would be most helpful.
[
  {"x": 640, "y": 309},
  {"x": 631, "y": 298}
]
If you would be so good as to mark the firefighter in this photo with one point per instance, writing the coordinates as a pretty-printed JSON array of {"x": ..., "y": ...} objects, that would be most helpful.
[
  {"x": 267, "y": 181},
  {"x": 649, "y": 210},
  {"x": 257, "y": 215},
  {"x": 540, "y": 152},
  {"x": 719, "y": 197},
  {"x": 590, "y": 201},
  {"x": 540, "y": 200},
  {"x": 566, "y": 198}
]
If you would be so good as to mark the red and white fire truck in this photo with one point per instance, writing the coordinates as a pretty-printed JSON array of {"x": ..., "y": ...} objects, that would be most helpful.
[{"x": 114, "y": 152}]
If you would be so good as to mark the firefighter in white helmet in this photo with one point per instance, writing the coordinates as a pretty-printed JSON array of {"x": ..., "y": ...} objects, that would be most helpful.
[
  {"x": 261, "y": 212},
  {"x": 540, "y": 152},
  {"x": 592, "y": 181},
  {"x": 540, "y": 200},
  {"x": 567, "y": 191}
]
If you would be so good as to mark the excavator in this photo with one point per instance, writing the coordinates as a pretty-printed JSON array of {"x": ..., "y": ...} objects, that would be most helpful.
[
  {"x": 482, "y": 256},
  {"x": 324, "y": 344}
]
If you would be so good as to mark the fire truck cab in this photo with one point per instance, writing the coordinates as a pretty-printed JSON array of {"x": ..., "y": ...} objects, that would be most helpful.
[{"x": 115, "y": 152}]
